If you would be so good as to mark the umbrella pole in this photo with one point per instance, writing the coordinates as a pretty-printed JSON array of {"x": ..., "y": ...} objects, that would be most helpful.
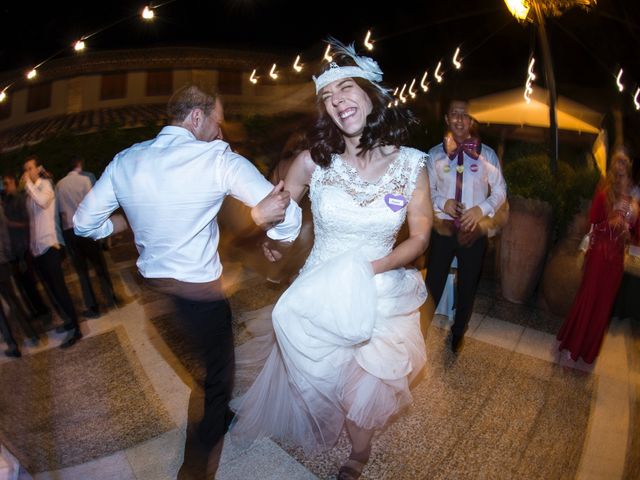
[{"x": 551, "y": 86}]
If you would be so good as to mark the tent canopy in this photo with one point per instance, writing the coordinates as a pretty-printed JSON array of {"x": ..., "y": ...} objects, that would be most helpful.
[{"x": 510, "y": 108}]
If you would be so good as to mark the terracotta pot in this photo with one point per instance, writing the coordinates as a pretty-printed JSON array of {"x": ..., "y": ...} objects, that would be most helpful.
[
  {"x": 563, "y": 272},
  {"x": 523, "y": 247}
]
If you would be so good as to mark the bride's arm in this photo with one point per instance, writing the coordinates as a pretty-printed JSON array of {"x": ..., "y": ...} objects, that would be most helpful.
[
  {"x": 299, "y": 175},
  {"x": 419, "y": 220}
]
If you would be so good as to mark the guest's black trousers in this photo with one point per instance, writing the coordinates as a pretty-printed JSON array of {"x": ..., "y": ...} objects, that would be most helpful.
[
  {"x": 441, "y": 253},
  {"x": 49, "y": 266}
]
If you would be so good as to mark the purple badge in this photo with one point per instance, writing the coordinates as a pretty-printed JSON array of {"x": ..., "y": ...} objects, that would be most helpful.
[
  {"x": 395, "y": 202},
  {"x": 474, "y": 167}
]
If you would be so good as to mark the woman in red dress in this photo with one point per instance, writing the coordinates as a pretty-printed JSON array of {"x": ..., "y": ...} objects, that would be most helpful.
[{"x": 612, "y": 216}]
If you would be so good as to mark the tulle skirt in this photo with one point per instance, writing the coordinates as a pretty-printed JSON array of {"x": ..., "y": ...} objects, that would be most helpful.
[{"x": 347, "y": 345}]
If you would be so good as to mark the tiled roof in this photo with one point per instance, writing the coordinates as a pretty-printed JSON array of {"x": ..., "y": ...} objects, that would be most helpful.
[{"x": 83, "y": 122}]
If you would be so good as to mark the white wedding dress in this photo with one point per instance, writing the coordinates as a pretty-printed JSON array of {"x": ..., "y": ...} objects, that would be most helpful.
[{"x": 348, "y": 343}]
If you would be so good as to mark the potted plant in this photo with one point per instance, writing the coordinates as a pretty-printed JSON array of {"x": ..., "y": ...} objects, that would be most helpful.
[{"x": 525, "y": 237}]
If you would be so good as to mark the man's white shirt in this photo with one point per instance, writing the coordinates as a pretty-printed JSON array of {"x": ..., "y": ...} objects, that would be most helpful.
[
  {"x": 41, "y": 205},
  {"x": 69, "y": 193},
  {"x": 482, "y": 185},
  {"x": 171, "y": 189}
]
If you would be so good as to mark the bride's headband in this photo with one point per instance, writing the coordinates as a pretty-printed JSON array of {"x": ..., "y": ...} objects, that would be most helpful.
[{"x": 365, "y": 67}]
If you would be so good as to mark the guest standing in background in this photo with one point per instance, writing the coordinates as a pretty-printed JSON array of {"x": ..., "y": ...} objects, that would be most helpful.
[
  {"x": 46, "y": 243},
  {"x": 69, "y": 193},
  {"x": 613, "y": 217},
  {"x": 466, "y": 186}
]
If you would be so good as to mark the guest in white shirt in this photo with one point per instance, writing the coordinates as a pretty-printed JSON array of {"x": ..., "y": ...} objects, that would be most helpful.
[
  {"x": 46, "y": 243},
  {"x": 69, "y": 193},
  {"x": 171, "y": 189},
  {"x": 466, "y": 186}
]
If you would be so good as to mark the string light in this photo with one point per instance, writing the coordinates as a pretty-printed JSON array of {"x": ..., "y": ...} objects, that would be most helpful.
[
  {"x": 403, "y": 99},
  {"x": 273, "y": 74},
  {"x": 328, "y": 57},
  {"x": 297, "y": 66},
  {"x": 367, "y": 43},
  {"x": 531, "y": 76},
  {"x": 456, "y": 60},
  {"x": 252, "y": 78},
  {"x": 147, "y": 13},
  {"x": 618, "y": 82},
  {"x": 411, "y": 91},
  {"x": 437, "y": 73},
  {"x": 423, "y": 83}
]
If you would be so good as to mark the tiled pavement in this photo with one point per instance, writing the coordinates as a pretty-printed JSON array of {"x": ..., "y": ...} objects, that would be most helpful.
[{"x": 606, "y": 442}]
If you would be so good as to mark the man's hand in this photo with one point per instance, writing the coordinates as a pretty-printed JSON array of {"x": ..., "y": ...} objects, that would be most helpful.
[
  {"x": 470, "y": 218},
  {"x": 452, "y": 208},
  {"x": 24, "y": 179},
  {"x": 270, "y": 211}
]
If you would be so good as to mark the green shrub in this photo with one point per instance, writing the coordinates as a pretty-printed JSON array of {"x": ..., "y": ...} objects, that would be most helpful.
[{"x": 528, "y": 175}]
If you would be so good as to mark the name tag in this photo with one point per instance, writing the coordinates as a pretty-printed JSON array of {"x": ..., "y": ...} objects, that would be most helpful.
[{"x": 395, "y": 202}]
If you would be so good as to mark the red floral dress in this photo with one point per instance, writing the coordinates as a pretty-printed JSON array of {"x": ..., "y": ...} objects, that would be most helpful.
[{"x": 586, "y": 323}]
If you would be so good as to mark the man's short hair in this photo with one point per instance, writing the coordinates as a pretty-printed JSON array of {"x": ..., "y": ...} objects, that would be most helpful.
[
  {"x": 33, "y": 157},
  {"x": 188, "y": 97},
  {"x": 75, "y": 161},
  {"x": 450, "y": 100}
]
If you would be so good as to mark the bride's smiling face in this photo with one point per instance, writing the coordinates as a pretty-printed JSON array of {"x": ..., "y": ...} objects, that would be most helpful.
[{"x": 348, "y": 105}]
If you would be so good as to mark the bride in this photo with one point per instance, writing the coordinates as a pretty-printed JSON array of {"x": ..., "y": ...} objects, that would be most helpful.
[{"x": 348, "y": 329}]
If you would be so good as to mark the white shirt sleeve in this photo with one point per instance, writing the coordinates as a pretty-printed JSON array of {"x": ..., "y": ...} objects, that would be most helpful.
[
  {"x": 498, "y": 193},
  {"x": 242, "y": 180},
  {"x": 41, "y": 192},
  {"x": 92, "y": 216}
]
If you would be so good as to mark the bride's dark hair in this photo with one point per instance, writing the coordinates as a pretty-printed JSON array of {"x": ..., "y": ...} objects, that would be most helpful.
[{"x": 384, "y": 125}]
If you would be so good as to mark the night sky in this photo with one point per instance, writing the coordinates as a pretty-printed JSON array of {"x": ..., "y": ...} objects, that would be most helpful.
[{"x": 587, "y": 48}]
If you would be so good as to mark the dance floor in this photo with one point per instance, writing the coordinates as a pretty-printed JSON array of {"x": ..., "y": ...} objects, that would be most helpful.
[{"x": 508, "y": 406}]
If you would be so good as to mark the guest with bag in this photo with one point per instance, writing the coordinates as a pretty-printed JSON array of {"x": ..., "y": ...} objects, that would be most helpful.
[{"x": 613, "y": 217}]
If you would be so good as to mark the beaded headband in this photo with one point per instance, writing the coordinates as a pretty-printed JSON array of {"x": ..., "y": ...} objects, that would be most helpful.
[{"x": 366, "y": 68}]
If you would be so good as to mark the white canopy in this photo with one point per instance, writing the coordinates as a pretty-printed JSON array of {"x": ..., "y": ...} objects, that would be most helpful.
[{"x": 510, "y": 108}]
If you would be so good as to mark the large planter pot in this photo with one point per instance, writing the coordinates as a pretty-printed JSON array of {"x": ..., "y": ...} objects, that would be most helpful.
[
  {"x": 563, "y": 272},
  {"x": 523, "y": 247}
]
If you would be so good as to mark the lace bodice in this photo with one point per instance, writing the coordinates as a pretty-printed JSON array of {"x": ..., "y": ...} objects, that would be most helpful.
[{"x": 352, "y": 213}]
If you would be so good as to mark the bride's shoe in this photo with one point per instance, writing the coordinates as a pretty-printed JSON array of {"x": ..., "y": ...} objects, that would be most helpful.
[{"x": 351, "y": 470}]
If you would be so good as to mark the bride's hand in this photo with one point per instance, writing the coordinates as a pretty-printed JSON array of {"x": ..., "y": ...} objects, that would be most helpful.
[
  {"x": 272, "y": 254},
  {"x": 274, "y": 249}
]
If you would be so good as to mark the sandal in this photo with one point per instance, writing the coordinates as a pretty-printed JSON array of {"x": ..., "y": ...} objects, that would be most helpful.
[{"x": 351, "y": 470}]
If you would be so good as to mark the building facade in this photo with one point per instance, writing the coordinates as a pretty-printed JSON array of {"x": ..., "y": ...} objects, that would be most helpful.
[{"x": 130, "y": 88}]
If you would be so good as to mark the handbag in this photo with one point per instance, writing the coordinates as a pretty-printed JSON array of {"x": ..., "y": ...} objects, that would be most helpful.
[
  {"x": 632, "y": 260},
  {"x": 586, "y": 241}
]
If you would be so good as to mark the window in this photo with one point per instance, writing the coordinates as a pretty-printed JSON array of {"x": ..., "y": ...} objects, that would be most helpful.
[
  {"x": 159, "y": 82},
  {"x": 39, "y": 97},
  {"x": 113, "y": 85},
  {"x": 5, "y": 107},
  {"x": 229, "y": 82}
]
